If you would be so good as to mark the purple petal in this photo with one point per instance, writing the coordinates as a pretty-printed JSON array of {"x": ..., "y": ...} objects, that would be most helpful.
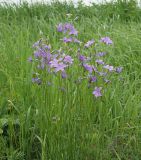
[
  {"x": 119, "y": 69},
  {"x": 92, "y": 79},
  {"x": 68, "y": 59},
  {"x": 48, "y": 47},
  {"x": 100, "y": 54},
  {"x": 76, "y": 40},
  {"x": 106, "y": 40},
  {"x": 110, "y": 68},
  {"x": 30, "y": 59},
  {"x": 67, "y": 40},
  {"x": 88, "y": 67},
  {"x": 82, "y": 58},
  {"x": 53, "y": 63},
  {"x": 60, "y": 27},
  {"x": 36, "y": 80},
  {"x": 73, "y": 32},
  {"x": 68, "y": 26},
  {"x": 89, "y": 43},
  {"x": 97, "y": 92},
  {"x": 36, "y": 44},
  {"x": 99, "y": 61},
  {"x": 37, "y": 54},
  {"x": 64, "y": 75},
  {"x": 60, "y": 67}
]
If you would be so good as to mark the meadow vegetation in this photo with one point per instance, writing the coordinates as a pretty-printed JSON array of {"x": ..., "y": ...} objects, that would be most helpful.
[{"x": 64, "y": 121}]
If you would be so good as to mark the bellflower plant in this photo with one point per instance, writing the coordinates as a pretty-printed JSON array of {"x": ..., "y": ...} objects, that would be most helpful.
[{"x": 59, "y": 62}]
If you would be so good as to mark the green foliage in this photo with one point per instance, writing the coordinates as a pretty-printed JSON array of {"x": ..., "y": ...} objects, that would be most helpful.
[{"x": 43, "y": 123}]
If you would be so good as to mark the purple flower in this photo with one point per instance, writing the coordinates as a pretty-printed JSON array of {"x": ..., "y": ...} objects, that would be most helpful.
[
  {"x": 89, "y": 43},
  {"x": 60, "y": 59},
  {"x": 36, "y": 80},
  {"x": 55, "y": 55},
  {"x": 60, "y": 27},
  {"x": 37, "y": 54},
  {"x": 97, "y": 92},
  {"x": 43, "y": 53},
  {"x": 99, "y": 61},
  {"x": 73, "y": 32},
  {"x": 60, "y": 67},
  {"x": 76, "y": 40},
  {"x": 100, "y": 54},
  {"x": 68, "y": 59},
  {"x": 110, "y": 68},
  {"x": 64, "y": 75},
  {"x": 48, "y": 57},
  {"x": 53, "y": 63},
  {"x": 36, "y": 44},
  {"x": 67, "y": 40},
  {"x": 48, "y": 47},
  {"x": 119, "y": 69},
  {"x": 30, "y": 59},
  {"x": 106, "y": 40},
  {"x": 68, "y": 26},
  {"x": 88, "y": 67},
  {"x": 82, "y": 58},
  {"x": 92, "y": 79}
]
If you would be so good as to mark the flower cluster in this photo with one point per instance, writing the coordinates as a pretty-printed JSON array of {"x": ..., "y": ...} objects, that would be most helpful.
[
  {"x": 60, "y": 63},
  {"x": 49, "y": 61},
  {"x": 67, "y": 27},
  {"x": 95, "y": 70}
]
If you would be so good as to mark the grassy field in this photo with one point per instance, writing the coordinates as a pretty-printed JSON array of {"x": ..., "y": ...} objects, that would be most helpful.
[{"x": 45, "y": 122}]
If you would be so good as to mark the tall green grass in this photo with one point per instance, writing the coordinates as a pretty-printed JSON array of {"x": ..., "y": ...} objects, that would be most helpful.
[{"x": 38, "y": 122}]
